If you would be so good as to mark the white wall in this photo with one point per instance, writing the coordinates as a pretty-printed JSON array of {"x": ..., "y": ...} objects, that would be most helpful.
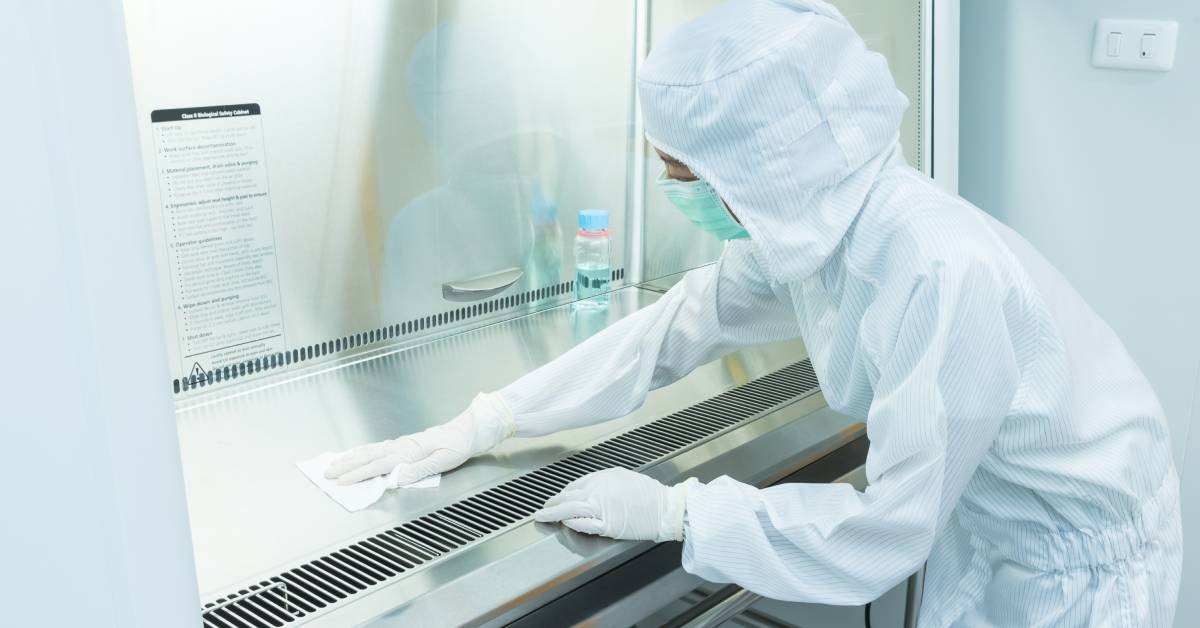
[
  {"x": 1099, "y": 168},
  {"x": 93, "y": 523}
]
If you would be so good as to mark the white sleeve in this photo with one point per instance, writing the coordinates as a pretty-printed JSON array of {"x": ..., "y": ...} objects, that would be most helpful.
[
  {"x": 940, "y": 394},
  {"x": 713, "y": 310}
]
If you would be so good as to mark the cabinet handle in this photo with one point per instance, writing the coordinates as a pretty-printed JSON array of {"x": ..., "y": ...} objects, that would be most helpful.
[{"x": 482, "y": 286}]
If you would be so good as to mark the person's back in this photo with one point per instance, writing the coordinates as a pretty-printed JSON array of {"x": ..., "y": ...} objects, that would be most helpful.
[{"x": 1077, "y": 477}]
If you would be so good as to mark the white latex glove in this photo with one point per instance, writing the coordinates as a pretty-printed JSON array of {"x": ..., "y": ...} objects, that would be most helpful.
[
  {"x": 621, "y": 504},
  {"x": 482, "y": 426}
]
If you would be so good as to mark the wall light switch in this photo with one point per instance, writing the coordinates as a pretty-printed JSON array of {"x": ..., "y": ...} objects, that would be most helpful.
[
  {"x": 1150, "y": 47},
  {"x": 1114, "y": 44}
]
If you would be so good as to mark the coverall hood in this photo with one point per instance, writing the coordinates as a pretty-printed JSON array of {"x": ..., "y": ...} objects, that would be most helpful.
[{"x": 780, "y": 107}]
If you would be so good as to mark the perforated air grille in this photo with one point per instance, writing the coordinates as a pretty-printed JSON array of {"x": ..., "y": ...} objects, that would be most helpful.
[
  {"x": 379, "y": 559},
  {"x": 200, "y": 378}
]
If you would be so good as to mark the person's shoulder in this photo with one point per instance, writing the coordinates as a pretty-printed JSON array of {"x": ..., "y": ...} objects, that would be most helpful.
[{"x": 912, "y": 228}]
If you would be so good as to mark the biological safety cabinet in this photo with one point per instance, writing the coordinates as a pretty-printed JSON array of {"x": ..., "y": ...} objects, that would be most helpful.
[{"x": 361, "y": 215}]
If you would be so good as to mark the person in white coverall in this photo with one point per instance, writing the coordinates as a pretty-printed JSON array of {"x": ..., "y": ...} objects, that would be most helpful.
[{"x": 1015, "y": 445}]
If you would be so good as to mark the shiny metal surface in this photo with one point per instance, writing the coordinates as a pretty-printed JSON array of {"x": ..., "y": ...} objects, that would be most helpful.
[
  {"x": 481, "y": 287},
  {"x": 729, "y": 601},
  {"x": 643, "y": 587},
  {"x": 622, "y": 596},
  {"x": 647, "y": 600},
  {"x": 912, "y": 598},
  {"x": 540, "y": 562},
  {"x": 252, "y": 511}
]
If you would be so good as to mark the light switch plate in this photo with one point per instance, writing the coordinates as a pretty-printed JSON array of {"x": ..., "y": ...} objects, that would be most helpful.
[{"x": 1135, "y": 44}]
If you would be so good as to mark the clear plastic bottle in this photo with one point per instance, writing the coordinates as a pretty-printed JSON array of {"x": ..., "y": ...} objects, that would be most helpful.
[{"x": 593, "y": 268}]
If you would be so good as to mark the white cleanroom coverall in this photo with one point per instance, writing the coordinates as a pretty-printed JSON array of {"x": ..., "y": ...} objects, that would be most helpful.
[{"x": 1015, "y": 445}]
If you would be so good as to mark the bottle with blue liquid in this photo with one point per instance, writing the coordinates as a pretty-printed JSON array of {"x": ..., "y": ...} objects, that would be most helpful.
[{"x": 593, "y": 267}]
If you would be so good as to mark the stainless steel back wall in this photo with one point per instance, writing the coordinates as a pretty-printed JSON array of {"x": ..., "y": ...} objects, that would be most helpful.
[
  {"x": 425, "y": 161},
  {"x": 421, "y": 158}
]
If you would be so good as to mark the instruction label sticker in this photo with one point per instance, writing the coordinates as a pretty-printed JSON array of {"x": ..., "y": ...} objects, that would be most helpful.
[{"x": 219, "y": 234}]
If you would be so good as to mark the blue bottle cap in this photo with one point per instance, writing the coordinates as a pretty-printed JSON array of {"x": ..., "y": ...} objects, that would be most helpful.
[{"x": 593, "y": 219}]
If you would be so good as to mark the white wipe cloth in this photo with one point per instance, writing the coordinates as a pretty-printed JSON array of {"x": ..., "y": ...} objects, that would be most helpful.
[{"x": 354, "y": 497}]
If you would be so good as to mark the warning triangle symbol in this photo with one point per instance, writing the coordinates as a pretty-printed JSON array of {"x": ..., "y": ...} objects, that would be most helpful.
[{"x": 198, "y": 371}]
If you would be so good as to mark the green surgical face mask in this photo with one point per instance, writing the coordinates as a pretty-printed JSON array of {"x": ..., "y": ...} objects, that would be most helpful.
[{"x": 701, "y": 205}]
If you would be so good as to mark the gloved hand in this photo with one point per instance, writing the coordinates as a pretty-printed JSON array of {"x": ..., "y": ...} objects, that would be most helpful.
[
  {"x": 482, "y": 426},
  {"x": 621, "y": 504}
]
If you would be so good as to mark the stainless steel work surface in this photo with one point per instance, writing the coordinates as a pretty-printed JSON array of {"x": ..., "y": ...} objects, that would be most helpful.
[{"x": 253, "y": 513}]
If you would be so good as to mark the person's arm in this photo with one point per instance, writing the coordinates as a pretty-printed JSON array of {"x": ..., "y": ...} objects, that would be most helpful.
[
  {"x": 944, "y": 375},
  {"x": 710, "y": 312},
  {"x": 940, "y": 396}
]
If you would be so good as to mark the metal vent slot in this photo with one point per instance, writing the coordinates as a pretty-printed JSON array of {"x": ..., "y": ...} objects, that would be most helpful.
[
  {"x": 256, "y": 606},
  {"x": 308, "y": 599},
  {"x": 376, "y": 560},
  {"x": 548, "y": 478},
  {"x": 315, "y": 575},
  {"x": 633, "y": 446},
  {"x": 306, "y": 591},
  {"x": 540, "y": 486},
  {"x": 454, "y": 513},
  {"x": 525, "y": 486},
  {"x": 506, "y": 492},
  {"x": 409, "y": 545},
  {"x": 388, "y": 545},
  {"x": 355, "y": 580},
  {"x": 225, "y": 373},
  {"x": 440, "y": 546}
]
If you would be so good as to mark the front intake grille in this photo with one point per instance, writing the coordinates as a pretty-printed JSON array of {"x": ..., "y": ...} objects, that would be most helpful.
[{"x": 379, "y": 559}]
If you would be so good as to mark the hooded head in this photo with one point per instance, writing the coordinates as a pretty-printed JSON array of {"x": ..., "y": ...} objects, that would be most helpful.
[{"x": 781, "y": 108}]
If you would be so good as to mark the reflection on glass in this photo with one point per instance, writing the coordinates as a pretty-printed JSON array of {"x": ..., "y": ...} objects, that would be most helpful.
[
  {"x": 587, "y": 322},
  {"x": 546, "y": 258},
  {"x": 672, "y": 244},
  {"x": 496, "y": 146},
  {"x": 520, "y": 136},
  {"x": 417, "y": 144}
]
